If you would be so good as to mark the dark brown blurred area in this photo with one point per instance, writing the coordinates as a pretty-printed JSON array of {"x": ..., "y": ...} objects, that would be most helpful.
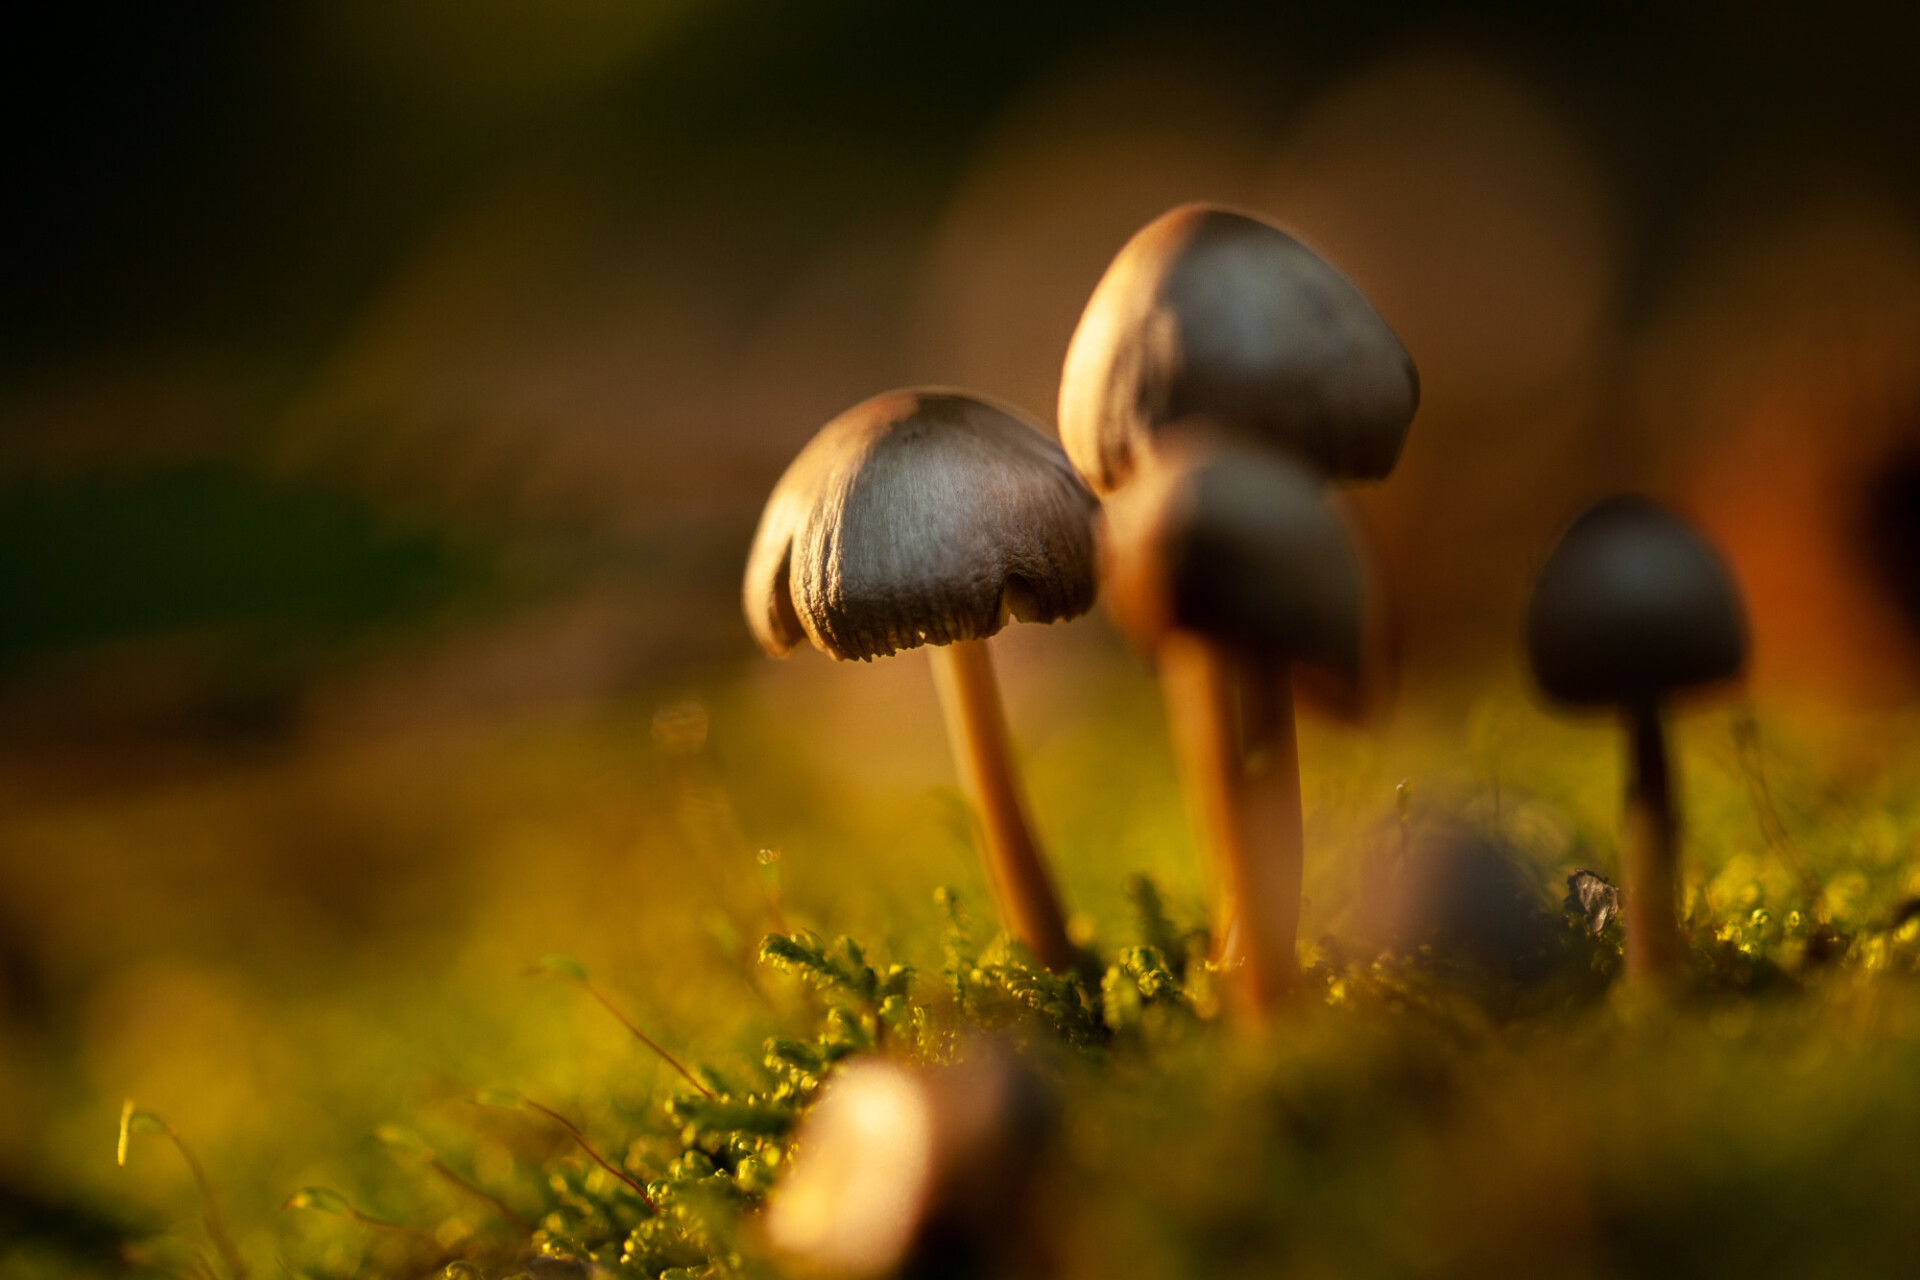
[{"x": 485, "y": 328}]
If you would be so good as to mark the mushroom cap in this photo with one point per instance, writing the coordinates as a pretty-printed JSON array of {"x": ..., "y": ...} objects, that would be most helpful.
[
  {"x": 897, "y": 1164},
  {"x": 1213, "y": 316},
  {"x": 1632, "y": 603},
  {"x": 1239, "y": 546},
  {"x": 867, "y": 1168},
  {"x": 922, "y": 516},
  {"x": 1462, "y": 893}
]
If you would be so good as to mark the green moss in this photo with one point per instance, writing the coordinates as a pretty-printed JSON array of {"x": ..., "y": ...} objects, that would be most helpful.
[
  {"x": 1388, "y": 1125},
  {"x": 1422, "y": 1109}
]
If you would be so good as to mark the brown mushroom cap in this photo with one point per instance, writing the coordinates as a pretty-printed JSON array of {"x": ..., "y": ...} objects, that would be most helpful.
[
  {"x": 919, "y": 517},
  {"x": 1241, "y": 547},
  {"x": 900, "y": 1165},
  {"x": 1631, "y": 604},
  {"x": 1212, "y": 316}
]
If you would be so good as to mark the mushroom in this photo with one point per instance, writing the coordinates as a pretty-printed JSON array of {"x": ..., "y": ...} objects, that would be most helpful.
[
  {"x": 1629, "y": 607},
  {"x": 1230, "y": 566},
  {"x": 929, "y": 516},
  {"x": 1464, "y": 896},
  {"x": 1217, "y": 325},
  {"x": 926, "y": 1169},
  {"x": 1216, "y": 320}
]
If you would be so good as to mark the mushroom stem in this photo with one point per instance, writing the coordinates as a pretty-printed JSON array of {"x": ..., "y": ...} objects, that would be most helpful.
[
  {"x": 977, "y": 728},
  {"x": 1269, "y": 801},
  {"x": 1650, "y": 863},
  {"x": 1248, "y": 817}
]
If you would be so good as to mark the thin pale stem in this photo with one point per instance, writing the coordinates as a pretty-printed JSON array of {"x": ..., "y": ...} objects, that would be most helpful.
[
  {"x": 479, "y": 1193},
  {"x": 633, "y": 1027},
  {"x": 1244, "y": 796},
  {"x": 1649, "y": 851},
  {"x": 210, "y": 1208},
  {"x": 372, "y": 1223},
  {"x": 1773, "y": 828},
  {"x": 977, "y": 728},
  {"x": 580, "y": 1139}
]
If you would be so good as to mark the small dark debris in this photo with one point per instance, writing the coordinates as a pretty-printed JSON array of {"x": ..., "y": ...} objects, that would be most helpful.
[
  {"x": 1906, "y": 911},
  {"x": 1590, "y": 896},
  {"x": 1826, "y": 943}
]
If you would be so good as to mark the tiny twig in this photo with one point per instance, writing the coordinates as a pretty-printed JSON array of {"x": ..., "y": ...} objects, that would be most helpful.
[
  {"x": 416, "y": 1148},
  {"x": 345, "y": 1208},
  {"x": 216, "y": 1226},
  {"x": 209, "y": 1207},
  {"x": 1773, "y": 828},
  {"x": 573, "y": 971},
  {"x": 606, "y": 1001},
  {"x": 479, "y": 1193},
  {"x": 573, "y": 1130}
]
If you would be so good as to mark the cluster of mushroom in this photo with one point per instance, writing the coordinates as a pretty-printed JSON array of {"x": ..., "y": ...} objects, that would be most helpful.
[{"x": 1221, "y": 377}]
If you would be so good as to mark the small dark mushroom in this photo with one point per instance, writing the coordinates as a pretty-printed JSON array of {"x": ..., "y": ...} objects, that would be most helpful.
[
  {"x": 932, "y": 517},
  {"x": 1217, "y": 321},
  {"x": 1229, "y": 567},
  {"x": 1630, "y": 607}
]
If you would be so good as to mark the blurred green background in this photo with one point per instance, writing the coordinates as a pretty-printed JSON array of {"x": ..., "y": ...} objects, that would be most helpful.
[{"x": 388, "y": 389}]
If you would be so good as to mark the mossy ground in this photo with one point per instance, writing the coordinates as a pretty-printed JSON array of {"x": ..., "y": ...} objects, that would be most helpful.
[{"x": 1460, "y": 1108}]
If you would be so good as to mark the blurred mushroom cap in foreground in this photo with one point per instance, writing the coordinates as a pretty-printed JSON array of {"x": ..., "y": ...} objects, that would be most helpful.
[
  {"x": 919, "y": 517},
  {"x": 864, "y": 1173},
  {"x": 1632, "y": 604},
  {"x": 900, "y": 1165},
  {"x": 1213, "y": 317},
  {"x": 1464, "y": 894}
]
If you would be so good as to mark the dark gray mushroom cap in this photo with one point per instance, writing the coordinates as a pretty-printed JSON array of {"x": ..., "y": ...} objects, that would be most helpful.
[
  {"x": 1632, "y": 603},
  {"x": 919, "y": 517},
  {"x": 1210, "y": 315},
  {"x": 1241, "y": 547}
]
